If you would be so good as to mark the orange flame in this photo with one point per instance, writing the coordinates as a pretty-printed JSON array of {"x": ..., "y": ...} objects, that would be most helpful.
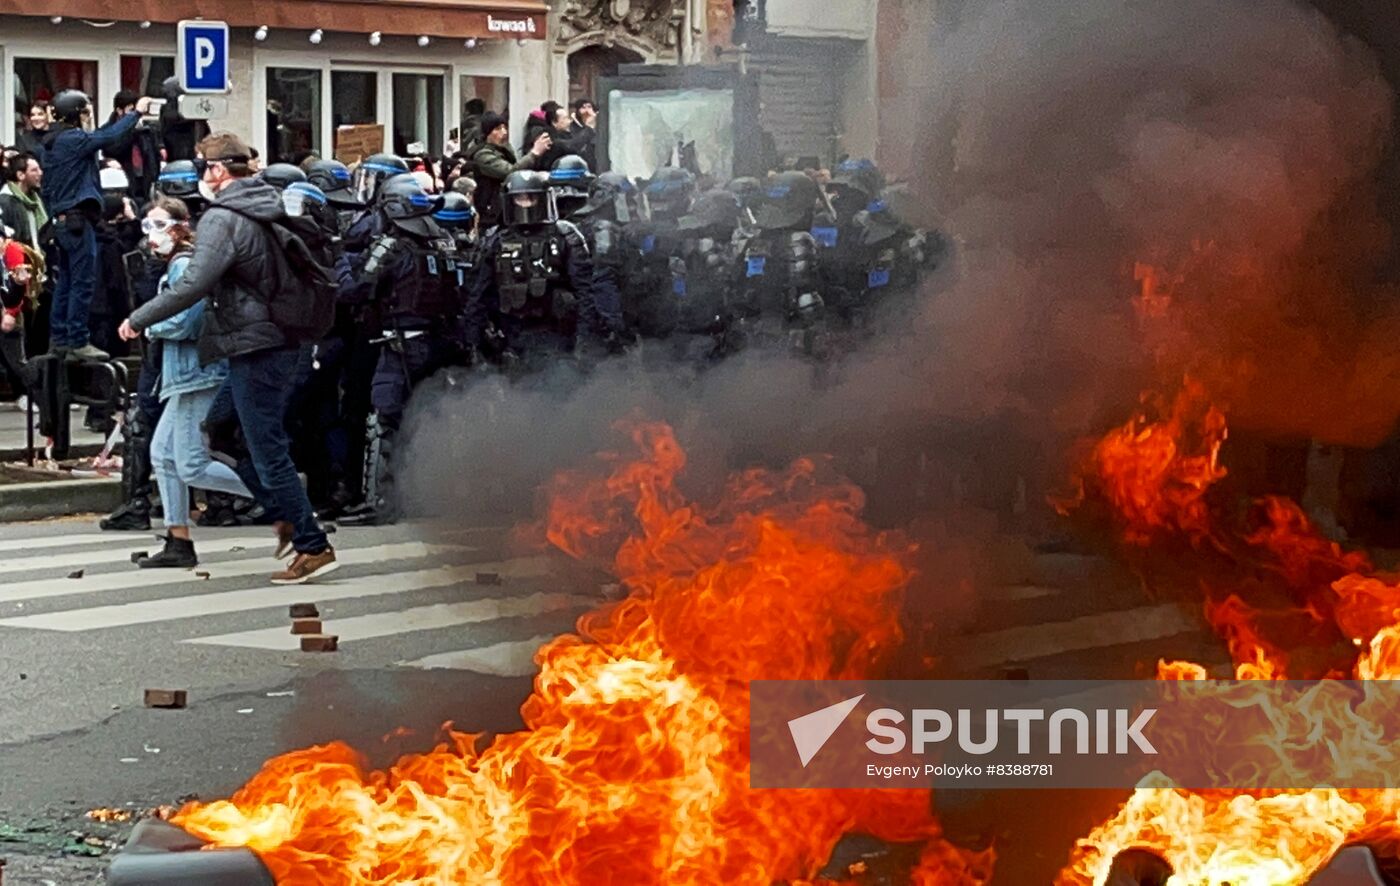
[
  {"x": 633, "y": 767},
  {"x": 1249, "y": 837},
  {"x": 1155, "y": 473}
]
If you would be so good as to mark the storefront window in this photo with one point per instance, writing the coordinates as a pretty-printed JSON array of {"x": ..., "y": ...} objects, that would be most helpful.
[
  {"x": 40, "y": 79},
  {"x": 418, "y": 120},
  {"x": 144, "y": 74},
  {"x": 494, "y": 93},
  {"x": 293, "y": 113},
  {"x": 354, "y": 98}
]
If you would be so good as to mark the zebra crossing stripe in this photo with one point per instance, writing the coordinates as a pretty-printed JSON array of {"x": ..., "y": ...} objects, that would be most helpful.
[
  {"x": 514, "y": 658},
  {"x": 134, "y": 578},
  {"x": 220, "y": 603},
  {"x": 254, "y": 544},
  {"x": 43, "y": 542},
  {"x": 421, "y": 618},
  {"x": 1029, "y": 642}
]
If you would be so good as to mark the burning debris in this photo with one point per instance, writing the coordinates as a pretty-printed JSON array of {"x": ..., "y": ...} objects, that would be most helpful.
[{"x": 634, "y": 762}]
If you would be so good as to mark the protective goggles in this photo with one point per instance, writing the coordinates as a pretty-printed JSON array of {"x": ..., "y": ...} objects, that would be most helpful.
[{"x": 157, "y": 225}]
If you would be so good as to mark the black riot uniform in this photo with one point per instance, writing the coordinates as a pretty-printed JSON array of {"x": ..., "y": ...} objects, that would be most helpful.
[
  {"x": 534, "y": 289},
  {"x": 411, "y": 280},
  {"x": 604, "y": 221},
  {"x": 648, "y": 302},
  {"x": 777, "y": 299},
  {"x": 702, "y": 274}
]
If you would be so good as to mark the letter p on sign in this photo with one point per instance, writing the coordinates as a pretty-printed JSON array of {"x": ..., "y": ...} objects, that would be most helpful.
[{"x": 202, "y": 56}]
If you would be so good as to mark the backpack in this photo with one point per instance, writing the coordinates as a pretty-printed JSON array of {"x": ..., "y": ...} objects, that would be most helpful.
[{"x": 301, "y": 295}]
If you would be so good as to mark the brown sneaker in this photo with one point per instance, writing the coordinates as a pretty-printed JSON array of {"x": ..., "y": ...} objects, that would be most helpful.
[
  {"x": 305, "y": 567},
  {"x": 285, "y": 533}
]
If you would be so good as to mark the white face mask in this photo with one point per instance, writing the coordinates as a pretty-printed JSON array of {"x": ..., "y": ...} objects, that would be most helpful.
[
  {"x": 161, "y": 242},
  {"x": 206, "y": 191}
]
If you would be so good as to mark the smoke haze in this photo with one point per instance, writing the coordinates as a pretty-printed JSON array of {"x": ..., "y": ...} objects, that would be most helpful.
[{"x": 1222, "y": 151}]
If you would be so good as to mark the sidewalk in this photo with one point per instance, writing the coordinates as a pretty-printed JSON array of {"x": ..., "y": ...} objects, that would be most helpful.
[{"x": 12, "y": 435}]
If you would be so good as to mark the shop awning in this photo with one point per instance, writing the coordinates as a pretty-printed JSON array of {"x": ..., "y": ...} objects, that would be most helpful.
[{"x": 514, "y": 19}]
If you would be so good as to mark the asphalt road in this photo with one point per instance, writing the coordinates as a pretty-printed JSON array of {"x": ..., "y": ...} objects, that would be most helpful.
[{"x": 422, "y": 641}]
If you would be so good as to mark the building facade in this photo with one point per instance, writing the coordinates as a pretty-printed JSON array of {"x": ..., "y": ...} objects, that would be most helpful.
[
  {"x": 303, "y": 69},
  {"x": 300, "y": 69}
]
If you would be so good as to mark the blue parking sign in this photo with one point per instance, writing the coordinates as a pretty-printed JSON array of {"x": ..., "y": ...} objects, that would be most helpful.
[{"x": 201, "y": 56}]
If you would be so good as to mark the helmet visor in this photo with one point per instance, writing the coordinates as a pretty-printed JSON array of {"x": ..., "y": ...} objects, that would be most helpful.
[{"x": 529, "y": 208}]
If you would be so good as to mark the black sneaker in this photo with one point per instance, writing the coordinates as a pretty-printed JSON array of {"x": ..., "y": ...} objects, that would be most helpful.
[
  {"x": 129, "y": 517},
  {"x": 178, "y": 554}
]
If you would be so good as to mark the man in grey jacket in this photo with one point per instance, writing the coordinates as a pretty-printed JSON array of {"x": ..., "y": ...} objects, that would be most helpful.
[{"x": 232, "y": 266}]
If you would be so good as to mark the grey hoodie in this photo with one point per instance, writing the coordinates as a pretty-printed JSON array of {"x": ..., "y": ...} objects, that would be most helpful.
[{"x": 231, "y": 267}]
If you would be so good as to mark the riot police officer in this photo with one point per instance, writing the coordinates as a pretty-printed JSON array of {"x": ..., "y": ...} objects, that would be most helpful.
[
  {"x": 534, "y": 282},
  {"x": 702, "y": 274},
  {"x": 603, "y": 220},
  {"x": 458, "y": 218},
  {"x": 333, "y": 178},
  {"x": 778, "y": 285},
  {"x": 648, "y": 304},
  {"x": 411, "y": 279}
]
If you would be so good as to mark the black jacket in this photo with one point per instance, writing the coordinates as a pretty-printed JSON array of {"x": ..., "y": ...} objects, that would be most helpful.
[{"x": 231, "y": 266}]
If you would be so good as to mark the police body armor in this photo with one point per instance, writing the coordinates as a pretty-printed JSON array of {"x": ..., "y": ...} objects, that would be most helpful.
[
  {"x": 430, "y": 281},
  {"x": 529, "y": 268},
  {"x": 700, "y": 282}
]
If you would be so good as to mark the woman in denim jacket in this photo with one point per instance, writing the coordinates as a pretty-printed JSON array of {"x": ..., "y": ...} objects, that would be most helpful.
[{"x": 180, "y": 458}]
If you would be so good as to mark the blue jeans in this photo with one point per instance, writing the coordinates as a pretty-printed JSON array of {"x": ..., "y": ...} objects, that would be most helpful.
[
  {"x": 77, "y": 280},
  {"x": 261, "y": 384},
  {"x": 180, "y": 459}
]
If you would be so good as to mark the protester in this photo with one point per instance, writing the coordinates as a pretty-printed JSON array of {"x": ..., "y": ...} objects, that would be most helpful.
[
  {"x": 16, "y": 285},
  {"x": 234, "y": 267},
  {"x": 494, "y": 161},
  {"x": 583, "y": 131},
  {"x": 75, "y": 200},
  {"x": 30, "y": 140},
  {"x": 179, "y": 456}
]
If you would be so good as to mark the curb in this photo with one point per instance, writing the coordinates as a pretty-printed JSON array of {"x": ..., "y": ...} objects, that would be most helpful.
[
  {"x": 77, "y": 450},
  {"x": 59, "y": 498}
]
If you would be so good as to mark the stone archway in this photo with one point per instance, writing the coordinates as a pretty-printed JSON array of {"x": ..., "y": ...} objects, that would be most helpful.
[{"x": 589, "y": 63}]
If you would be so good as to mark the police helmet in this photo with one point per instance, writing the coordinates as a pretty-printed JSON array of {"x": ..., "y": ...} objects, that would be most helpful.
[
  {"x": 569, "y": 180},
  {"x": 788, "y": 202},
  {"x": 407, "y": 206},
  {"x": 748, "y": 189},
  {"x": 68, "y": 106},
  {"x": 526, "y": 201},
  {"x": 610, "y": 193},
  {"x": 333, "y": 178},
  {"x": 669, "y": 192},
  {"x": 713, "y": 210},
  {"x": 372, "y": 172},
  {"x": 280, "y": 175},
  {"x": 300, "y": 198},
  {"x": 464, "y": 185},
  {"x": 877, "y": 222},
  {"x": 179, "y": 178},
  {"x": 456, "y": 212},
  {"x": 170, "y": 88},
  {"x": 860, "y": 175}
]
